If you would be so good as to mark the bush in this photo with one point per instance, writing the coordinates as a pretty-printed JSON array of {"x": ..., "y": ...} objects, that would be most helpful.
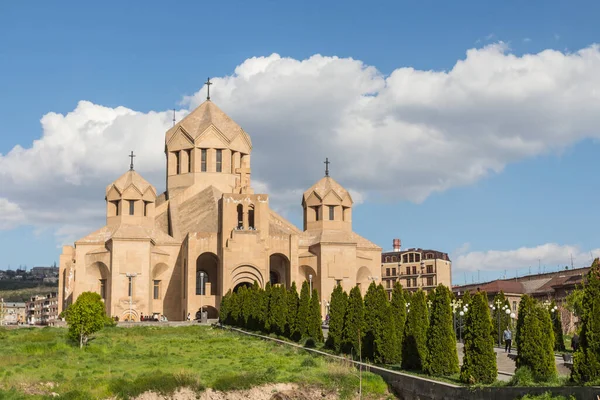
[
  {"x": 85, "y": 317},
  {"x": 442, "y": 358},
  {"x": 303, "y": 309},
  {"x": 315, "y": 320},
  {"x": 278, "y": 310},
  {"x": 398, "y": 312},
  {"x": 292, "y": 316},
  {"x": 354, "y": 331},
  {"x": 586, "y": 362},
  {"x": 536, "y": 347},
  {"x": 414, "y": 346},
  {"x": 479, "y": 361},
  {"x": 337, "y": 310},
  {"x": 525, "y": 306}
]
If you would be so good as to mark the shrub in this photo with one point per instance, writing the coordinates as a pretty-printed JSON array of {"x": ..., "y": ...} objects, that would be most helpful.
[
  {"x": 224, "y": 309},
  {"x": 414, "y": 346},
  {"x": 314, "y": 318},
  {"x": 442, "y": 358},
  {"x": 278, "y": 310},
  {"x": 337, "y": 310},
  {"x": 303, "y": 309},
  {"x": 525, "y": 305},
  {"x": 266, "y": 308},
  {"x": 381, "y": 340},
  {"x": 292, "y": 316},
  {"x": 353, "y": 332},
  {"x": 85, "y": 317},
  {"x": 536, "y": 346},
  {"x": 479, "y": 361},
  {"x": 586, "y": 363},
  {"x": 398, "y": 312}
]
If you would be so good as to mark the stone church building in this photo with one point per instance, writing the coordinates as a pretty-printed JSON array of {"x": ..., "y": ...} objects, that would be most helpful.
[{"x": 175, "y": 252}]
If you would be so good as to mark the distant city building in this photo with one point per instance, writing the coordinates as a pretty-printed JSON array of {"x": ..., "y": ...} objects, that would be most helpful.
[
  {"x": 551, "y": 286},
  {"x": 12, "y": 313},
  {"x": 43, "y": 310},
  {"x": 415, "y": 268},
  {"x": 43, "y": 272}
]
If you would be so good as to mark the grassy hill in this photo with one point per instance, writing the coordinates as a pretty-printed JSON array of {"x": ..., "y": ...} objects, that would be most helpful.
[
  {"x": 125, "y": 362},
  {"x": 21, "y": 291}
]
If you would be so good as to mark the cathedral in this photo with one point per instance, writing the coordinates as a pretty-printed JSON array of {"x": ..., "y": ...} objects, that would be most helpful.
[{"x": 176, "y": 252}]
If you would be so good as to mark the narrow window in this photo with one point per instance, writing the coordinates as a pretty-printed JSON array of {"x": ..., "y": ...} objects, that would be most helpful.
[
  {"x": 115, "y": 206},
  {"x": 514, "y": 306},
  {"x": 405, "y": 258},
  {"x": 203, "y": 160},
  {"x": 316, "y": 213},
  {"x": 331, "y": 213},
  {"x": 414, "y": 282},
  {"x": 407, "y": 270},
  {"x": 387, "y": 272},
  {"x": 411, "y": 257},
  {"x": 177, "y": 161},
  {"x": 387, "y": 259},
  {"x": 430, "y": 269},
  {"x": 219, "y": 160},
  {"x": 146, "y": 203},
  {"x": 131, "y": 207},
  {"x": 417, "y": 257},
  {"x": 156, "y": 290},
  {"x": 408, "y": 282},
  {"x": 103, "y": 288},
  {"x": 251, "y": 217},
  {"x": 240, "y": 216},
  {"x": 394, "y": 259},
  {"x": 393, "y": 271},
  {"x": 130, "y": 285},
  {"x": 189, "y": 160},
  {"x": 430, "y": 281},
  {"x": 414, "y": 270}
]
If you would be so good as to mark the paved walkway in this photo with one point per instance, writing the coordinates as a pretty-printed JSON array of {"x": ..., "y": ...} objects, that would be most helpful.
[{"x": 506, "y": 365}]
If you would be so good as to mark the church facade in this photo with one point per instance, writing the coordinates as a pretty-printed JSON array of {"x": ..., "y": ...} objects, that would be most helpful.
[{"x": 176, "y": 252}]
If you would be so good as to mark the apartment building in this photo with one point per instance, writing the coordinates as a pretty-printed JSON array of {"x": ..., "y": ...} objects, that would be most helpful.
[
  {"x": 415, "y": 268},
  {"x": 43, "y": 310}
]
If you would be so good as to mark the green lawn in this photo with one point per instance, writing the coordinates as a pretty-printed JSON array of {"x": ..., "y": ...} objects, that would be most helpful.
[{"x": 125, "y": 362}]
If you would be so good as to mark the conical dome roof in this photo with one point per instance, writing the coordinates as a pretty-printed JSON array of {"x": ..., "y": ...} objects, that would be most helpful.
[
  {"x": 324, "y": 186},
  {"x": 131, "y": 178},
  {"x": 205, "y": 115}
]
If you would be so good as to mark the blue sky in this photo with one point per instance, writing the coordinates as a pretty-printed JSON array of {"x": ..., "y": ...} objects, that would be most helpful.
[{"x": 148, "y": 56}]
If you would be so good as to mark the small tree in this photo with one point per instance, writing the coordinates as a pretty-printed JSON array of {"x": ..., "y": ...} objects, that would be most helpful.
[
  {"x": 414, "y": 346},
  {"x": 278, "y": 310},
  {"x": 266, "y": 307},
  {"x": 586, "y": 363},
  {"x": 536, "y": 344},
  {"x": 292, "y": 315},
  {"x": 85, "y": 317},
  {"x": 303, "y": 309},
  {"x": 244, "y": 306},
  {"x": 466, "y": 299},
  {"x": 525, "y": 306},
  {"x": 254, "y": 298},
  {"x": 381, "y": 339},
  {"x": 337, "y": 311},
  {"x": 398, "y": 312},
  {"x": 315, "y": 320},
  {"x": 479, "y": 361},
  {"x": 442, "y": 358},
  {"x": 354, "y": 331},
  {"x": 391, "y": 345},
  {"x": 559, "y": 341},
  {"x": 224, "y": 309}
]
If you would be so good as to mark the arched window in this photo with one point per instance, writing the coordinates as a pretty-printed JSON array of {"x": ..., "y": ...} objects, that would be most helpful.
[
  {"x": 201, "y": 279},
  {"x": 394, "y": 259},
  {"x": 240, "y": 216},
  {"x": 251, "y": 217}
]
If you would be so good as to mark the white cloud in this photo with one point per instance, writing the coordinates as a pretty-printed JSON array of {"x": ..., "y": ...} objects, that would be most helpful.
[
  {"x": 402, "y": 136},
  {"x": 11, "y": 214},
  {"x": 550, "y": 254}
]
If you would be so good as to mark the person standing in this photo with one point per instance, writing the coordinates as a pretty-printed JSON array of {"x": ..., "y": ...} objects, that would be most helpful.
[
  {"x": 575, "y": 342},
  {"x": 507, "y": 340}
]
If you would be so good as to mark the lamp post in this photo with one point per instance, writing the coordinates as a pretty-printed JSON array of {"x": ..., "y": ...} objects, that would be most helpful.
[
  {"x": 201, "y": 295},
  {"x": 130, "y": 276},
  {"x": 310, "y": 283}
]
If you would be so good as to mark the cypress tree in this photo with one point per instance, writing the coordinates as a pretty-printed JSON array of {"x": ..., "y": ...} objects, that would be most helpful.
[
  {"x": 536, "y": 344},
  {"x": 278, "y": 310},
  {"x": 479, "y": 361},
  {"x": 398, "y": 312},
  {"x": 466, "y": 299},
  {"x": 337, "y": 311},
  {"x": 267, "y": 307},
  {"x": 525, "y": 306},
  {"x": 254, "y": 298},
  {"x": 414, "y": 346},
  {"x": 354, "y": 331},
  {"x": 244, "y": 307},
  {"x": 442, "y": 358},
  {"x": 391, "y": 341},
  {"x": 315, "y": 320},
  {"x": 586, "y": 363},
  {"x": 303, "y": 310},
  {"x": 373, "y": 324},
  {"x": 559, "y": 340},
  {"x": 234, "y": 307},
  {"x": 292, "y": 299},
  {"x": 223, "y": 309}
]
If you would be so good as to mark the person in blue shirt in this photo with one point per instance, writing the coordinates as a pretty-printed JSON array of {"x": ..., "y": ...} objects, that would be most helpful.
[{"x": 507, "y": 340}]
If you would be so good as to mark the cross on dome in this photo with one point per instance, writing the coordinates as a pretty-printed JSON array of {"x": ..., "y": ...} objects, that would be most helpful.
[
  {"x": 326, "y": 162},
  {"x": 208, "y": 83},
  {"x": 131, "y": 164}
]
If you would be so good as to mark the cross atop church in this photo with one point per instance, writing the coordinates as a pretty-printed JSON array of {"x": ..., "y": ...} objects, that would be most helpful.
[
  {"x": 208, "y": 83},
  {"x": 131, "y": 156},
  {"x": 326, "y": 162}
]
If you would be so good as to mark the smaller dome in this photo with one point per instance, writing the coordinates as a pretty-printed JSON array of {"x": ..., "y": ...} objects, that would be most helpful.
[
  {"x": 326, "y": 185},
  {"x": 131, "y": 178}
]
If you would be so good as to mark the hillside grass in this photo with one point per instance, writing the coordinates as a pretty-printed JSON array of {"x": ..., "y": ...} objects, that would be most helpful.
[
  {"x": 125, "y": 362},
  {"x": 10, "y": 293}
]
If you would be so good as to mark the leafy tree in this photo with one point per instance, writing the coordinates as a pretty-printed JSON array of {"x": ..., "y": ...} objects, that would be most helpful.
[
  {"x": 315, "y": 320},
  {"x": 559, "y": 341},
  {"x": 525, "y": 306},
  {"x": 85, "y": 317},
  {"x": 479, "y": 361},
  {"x": 575, "y": 301},
  {"x": 536, "y": 344},
  {"x": 337, "y": 311},
  {"x": 278, "y": 310},
  {"x": 398, "y": 312},
  {"x": 292, "y": 315},
  {"x": 354, "y": 331},
  {"x": 414, "y": 346},
  {"x": 586, "y": 363},
  {"x": 303, "y": 309},
  {"x": 442, "y": 358}
]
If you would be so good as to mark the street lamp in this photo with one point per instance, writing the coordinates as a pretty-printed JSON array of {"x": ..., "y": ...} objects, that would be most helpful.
[
  {"x": 310, "y": 283},
  {"x": 130, "y": 276},
  {"x": 201, "y": 294},
  {"x": 461, "y": 314}
]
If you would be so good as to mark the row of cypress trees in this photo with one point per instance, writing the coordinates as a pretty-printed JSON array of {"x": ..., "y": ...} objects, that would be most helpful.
[{"x": 274, "y": 309}]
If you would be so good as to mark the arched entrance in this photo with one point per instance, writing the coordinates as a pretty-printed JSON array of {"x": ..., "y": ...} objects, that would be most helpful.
[
  {"x": 279, "y": 269},
  {"x": 212, "y": 313},
  {"x": 306, "y": 273},
  {"x": 246, "y": 274},
  {"x": 207, "y": 274},
  {"x": 242, "y": 284},
  {"x": 100, "y": 275},
  {"x": 362, "y": 279}
]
